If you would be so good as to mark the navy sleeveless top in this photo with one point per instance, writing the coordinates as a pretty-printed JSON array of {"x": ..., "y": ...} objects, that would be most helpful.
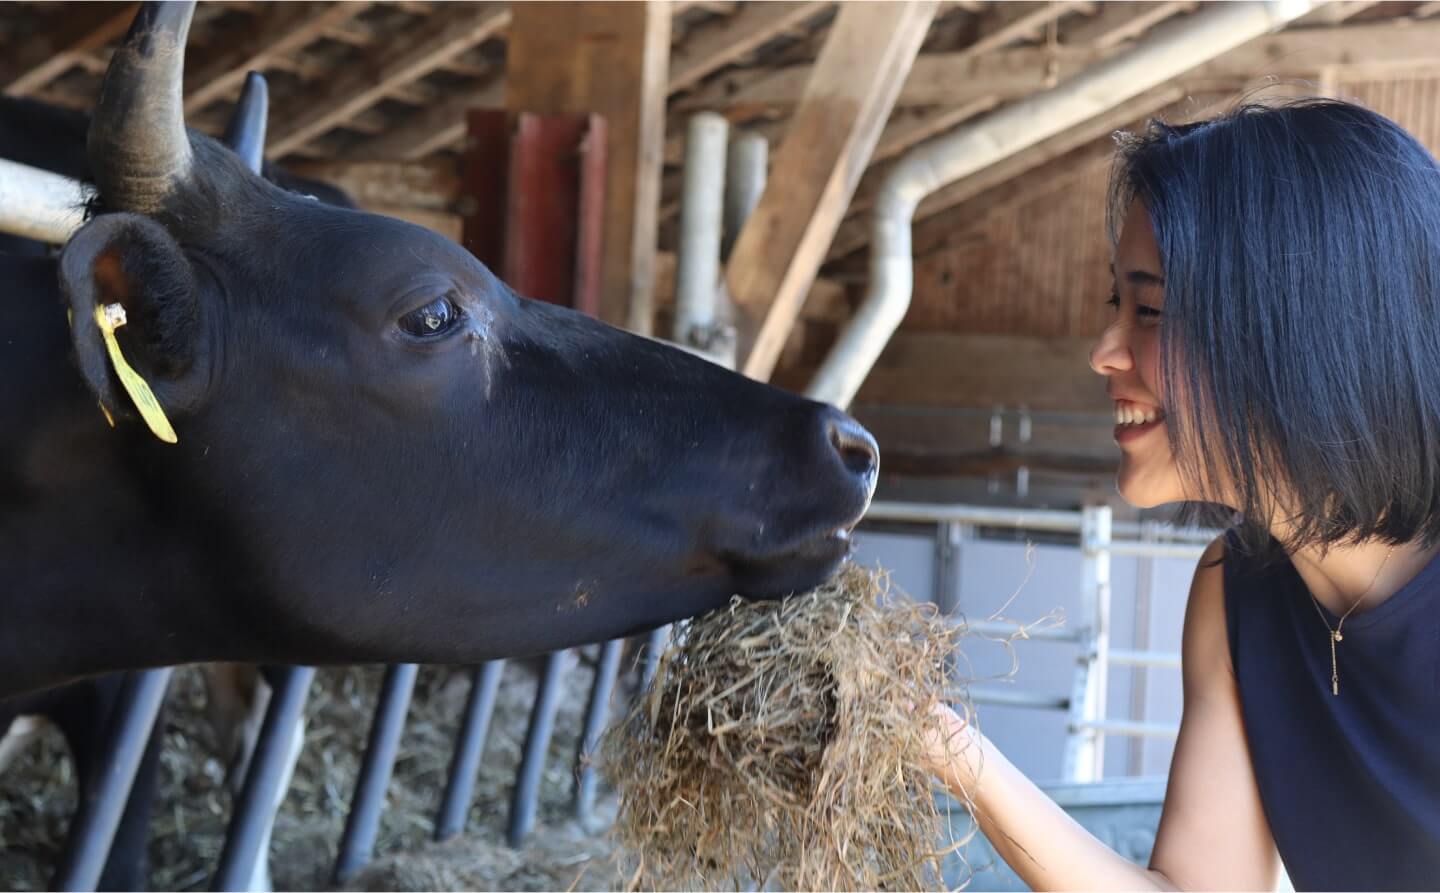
[{"x": 1350, "y": 784}]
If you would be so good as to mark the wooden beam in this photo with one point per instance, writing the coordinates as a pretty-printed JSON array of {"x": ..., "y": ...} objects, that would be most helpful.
[
  {"x": 450, "y": 31},
  {"x": 949, "y": 78},
  {"x": 443, "y": 126},
  {"x": 1004, "y": 23},
  {"x": 609, "y": 59},
  {"x": 713, "y": 47},
  {"x": 935, "y": 79},
  {"x": 440, "y": 126},
  {"x": 1116, "y": 23},
  {"x": 778, "y": 252},
  {"x": 1334, "y": 13},
  {"x": 85, "y": 28},
  {"x": 980, "y": 372},
  {"x": 277, "y": 32},
  {"x": 432, "y": 185}
]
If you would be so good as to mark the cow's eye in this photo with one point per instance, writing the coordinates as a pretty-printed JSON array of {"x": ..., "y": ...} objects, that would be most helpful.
[{"x": 435, "y": 318}]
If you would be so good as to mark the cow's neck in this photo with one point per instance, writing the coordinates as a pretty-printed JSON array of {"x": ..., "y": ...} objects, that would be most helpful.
[{"x": 93, "y": 579}]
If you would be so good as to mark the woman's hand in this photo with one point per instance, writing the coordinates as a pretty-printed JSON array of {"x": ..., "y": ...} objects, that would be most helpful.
[{"x": 946, "y": 737}]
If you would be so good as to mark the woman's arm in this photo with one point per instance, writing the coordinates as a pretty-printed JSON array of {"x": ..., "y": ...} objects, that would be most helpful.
[{"x": 1213, "y": 833}]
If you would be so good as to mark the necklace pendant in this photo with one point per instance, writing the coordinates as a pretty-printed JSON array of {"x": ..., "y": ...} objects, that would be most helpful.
[
  {"x": 1337, "y": 636},
  {"x": 1335, "y": 687}
]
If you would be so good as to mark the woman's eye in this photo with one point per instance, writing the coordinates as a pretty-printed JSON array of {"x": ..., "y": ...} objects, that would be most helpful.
[
  {"x": 1113, "y": 301},
  {"x": 1147, "y": 312},
  {"x": 435, "y": 318}
]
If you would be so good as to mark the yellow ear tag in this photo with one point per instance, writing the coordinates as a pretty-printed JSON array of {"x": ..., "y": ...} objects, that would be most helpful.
[{"x": 110, "y": 317}]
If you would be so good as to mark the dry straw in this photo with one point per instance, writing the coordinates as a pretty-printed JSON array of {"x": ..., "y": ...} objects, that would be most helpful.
[{"x": 783, "y": 744}]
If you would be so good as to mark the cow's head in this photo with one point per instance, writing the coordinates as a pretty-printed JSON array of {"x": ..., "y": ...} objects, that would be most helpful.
[{"x": 389, "y": 454}]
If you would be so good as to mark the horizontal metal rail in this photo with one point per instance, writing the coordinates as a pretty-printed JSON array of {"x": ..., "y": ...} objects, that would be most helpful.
[
  {"x": 1004, "y": 629},
  {"x": 1006, "y": 697},
  {"x": 1035, "y": 519},
  {"x": 1145, "y": 658},
  {"x": 1132, "y": 728},
  {"x": 1142, "y": 549}
]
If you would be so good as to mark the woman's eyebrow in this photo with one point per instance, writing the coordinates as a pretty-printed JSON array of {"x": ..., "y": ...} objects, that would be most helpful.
[{"x": 1142, "y": 279}]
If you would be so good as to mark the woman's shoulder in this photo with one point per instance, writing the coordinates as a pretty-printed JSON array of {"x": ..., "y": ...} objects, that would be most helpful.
[{"x": 1205, "y": 643}]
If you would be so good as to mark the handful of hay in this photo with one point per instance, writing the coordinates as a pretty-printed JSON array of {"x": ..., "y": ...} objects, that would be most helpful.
[{"x": 783, "y": 743}]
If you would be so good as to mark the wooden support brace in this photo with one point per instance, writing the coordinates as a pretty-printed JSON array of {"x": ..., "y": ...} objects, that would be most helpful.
[{"x": 846, "y": 103}]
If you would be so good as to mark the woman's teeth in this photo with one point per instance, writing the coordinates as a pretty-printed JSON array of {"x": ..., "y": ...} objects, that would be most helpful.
[{"x": 1134, "y": 415}]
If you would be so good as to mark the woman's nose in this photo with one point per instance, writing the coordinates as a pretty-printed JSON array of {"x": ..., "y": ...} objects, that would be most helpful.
[{"x": 1111, "y": 354}]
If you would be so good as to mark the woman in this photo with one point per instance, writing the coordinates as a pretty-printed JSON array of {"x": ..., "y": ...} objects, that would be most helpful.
[{"x": 1275, "y": 352}]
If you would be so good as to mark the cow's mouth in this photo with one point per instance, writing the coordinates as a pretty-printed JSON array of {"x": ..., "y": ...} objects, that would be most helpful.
[{"x": 797, "y": 569}]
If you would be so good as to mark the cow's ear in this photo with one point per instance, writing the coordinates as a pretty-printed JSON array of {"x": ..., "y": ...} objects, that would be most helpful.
[{"x": 131, "y": 261}]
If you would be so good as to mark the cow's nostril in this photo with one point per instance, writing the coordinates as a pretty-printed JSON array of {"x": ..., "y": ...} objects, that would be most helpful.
[{"x": 856, "y": 447}]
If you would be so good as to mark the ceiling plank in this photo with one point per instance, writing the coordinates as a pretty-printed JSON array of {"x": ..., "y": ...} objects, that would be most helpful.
[
  {"x": 753, "y": 25},
  {"x": 279, "y": 30},
  {"x": 86, "y": 27},
  {"x": 450, "y": 31},
  {"x": 950, "y": 78}
]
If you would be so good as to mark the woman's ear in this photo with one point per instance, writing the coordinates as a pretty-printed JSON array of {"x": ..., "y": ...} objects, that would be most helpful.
[{"x": 131, "y": 261}]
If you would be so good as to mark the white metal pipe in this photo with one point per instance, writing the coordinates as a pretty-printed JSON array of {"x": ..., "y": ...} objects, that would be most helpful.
[
  {"x": 40, "y": 205},
  {"x": 1169, "y": 50},
  {"x": 702, "y": 214},
  {"x": 746, "y": 170}
]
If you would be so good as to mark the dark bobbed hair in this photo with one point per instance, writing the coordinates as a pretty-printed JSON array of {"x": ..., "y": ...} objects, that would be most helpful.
[{"x": 1300, "y": 245}]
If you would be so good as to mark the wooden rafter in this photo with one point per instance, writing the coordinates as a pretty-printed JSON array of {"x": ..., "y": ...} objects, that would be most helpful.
[
  {"x": 712, "y": 48},
  {"x": 935, "y": 79},
  {"x": 709, "y": 49},
  {"x": 1116, "y": 23},
  {"x": 1005, "y": 23},
  {"x": 450, "y": 31},
  {"x": 853, "y": 87},
  {"x": 87, "y": 27},
  {"x": 277, "y": 32}
]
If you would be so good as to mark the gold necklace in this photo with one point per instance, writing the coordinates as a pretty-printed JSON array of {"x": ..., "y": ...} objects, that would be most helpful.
[{"x": 1336, "y": 636}]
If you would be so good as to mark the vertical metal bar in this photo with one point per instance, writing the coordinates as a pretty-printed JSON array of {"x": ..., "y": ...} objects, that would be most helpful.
[
  {"x": 1084, "y": 750},
  {"x": 469, "y": 746},
  {"x": 1140, "y": 673},
  {"x": 363, "y": 823},
  {"x": 650, "y": 659},
  {"x": 597, "y": 711},
  {"x": 526, "y": 798},
  {"x": 746, "y": 169},
  {"x": 96, "y": 820},
  {"x": 269, "y": 766}
]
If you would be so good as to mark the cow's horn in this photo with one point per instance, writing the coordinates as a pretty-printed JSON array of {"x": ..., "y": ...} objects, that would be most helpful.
[
  {"x": 246, "y": 131},
  {"x": 137, "y": 145}
]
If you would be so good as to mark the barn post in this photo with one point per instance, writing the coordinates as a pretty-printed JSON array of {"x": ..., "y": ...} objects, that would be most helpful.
[{"x": 608, "y": 59}]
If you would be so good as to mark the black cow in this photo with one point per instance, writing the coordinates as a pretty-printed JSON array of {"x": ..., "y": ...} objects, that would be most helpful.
[
  {"x": 53, "y": 138},
  {"x": 383, "y": 453}
]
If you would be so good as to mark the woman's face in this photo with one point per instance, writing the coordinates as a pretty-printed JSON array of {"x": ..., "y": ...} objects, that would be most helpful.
[{"x": 1128, "y": 355}]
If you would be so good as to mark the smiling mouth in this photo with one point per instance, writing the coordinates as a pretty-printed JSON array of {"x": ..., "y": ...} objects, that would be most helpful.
[{"x": 1134, "y": 419}]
